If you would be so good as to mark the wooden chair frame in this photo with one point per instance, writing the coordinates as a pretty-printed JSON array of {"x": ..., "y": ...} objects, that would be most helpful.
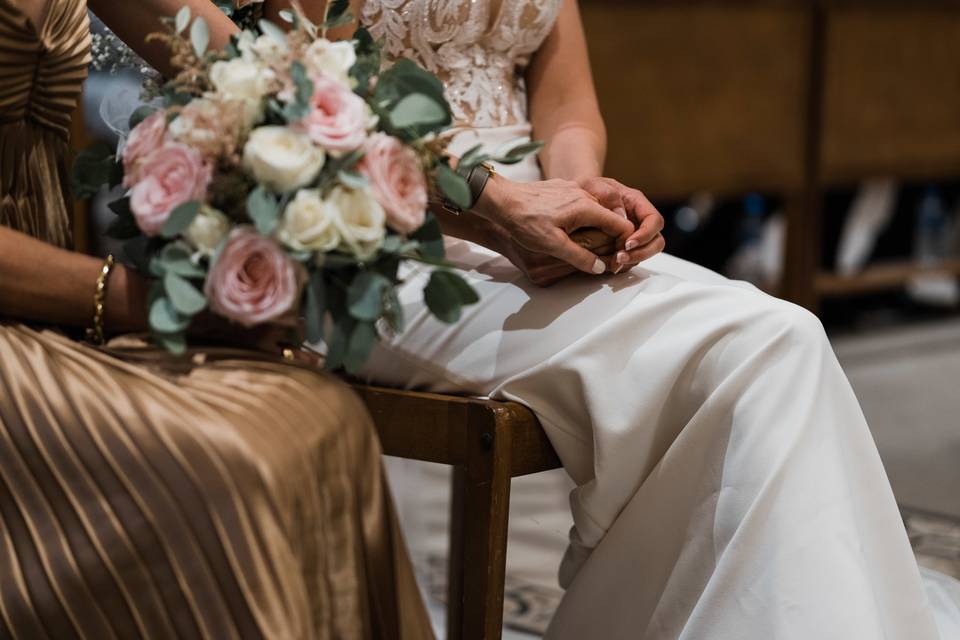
[{"x": 488, "y": 444}]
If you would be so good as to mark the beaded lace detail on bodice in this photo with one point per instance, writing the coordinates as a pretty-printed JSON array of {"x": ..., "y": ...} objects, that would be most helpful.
[{"x": 478, "y": 48}]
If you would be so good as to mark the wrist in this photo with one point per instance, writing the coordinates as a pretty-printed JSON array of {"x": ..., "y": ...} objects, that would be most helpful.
[
  {"x": 126, "y": 303},
  {"x": 490, "y": 205}
]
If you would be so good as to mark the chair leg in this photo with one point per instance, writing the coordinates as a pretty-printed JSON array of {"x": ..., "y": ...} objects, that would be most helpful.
[{"x": 478, "y": 540}]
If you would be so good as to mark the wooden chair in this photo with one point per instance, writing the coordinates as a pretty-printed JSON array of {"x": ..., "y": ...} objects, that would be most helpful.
[{"x": 488, "y": 443}]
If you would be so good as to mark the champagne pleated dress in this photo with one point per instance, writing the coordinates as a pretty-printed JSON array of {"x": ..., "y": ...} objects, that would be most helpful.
[{"x": 220, "y": 495}]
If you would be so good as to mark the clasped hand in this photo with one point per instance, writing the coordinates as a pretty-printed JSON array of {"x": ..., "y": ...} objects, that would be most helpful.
[{"x": 539, "y": 219}]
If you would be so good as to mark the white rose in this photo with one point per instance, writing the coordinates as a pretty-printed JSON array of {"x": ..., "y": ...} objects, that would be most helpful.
[
  {"x": 245, "y": 81},
  {"x": 281, "y": 158},
  {"x": 309, "y": 223},
  {"x": 334, "y": 59},
  {"x": 193, "y": 125},
  {"x": 207, "y": 231},
  {"x": 362, "y": 221},
  {"x": 266, "y": 49}
]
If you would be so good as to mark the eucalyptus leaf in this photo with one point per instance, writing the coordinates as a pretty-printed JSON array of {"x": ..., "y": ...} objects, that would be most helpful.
[
  {"x": 175, "y": 343},
  {"x": 417, "y": 109},
  {"x": 368, "y": 61},
  {"x": 393, "y": 310},
  {"x": 179, "y": 219},
  {"x": 182, "y": 19},
  {"x": 430, "y": 237},
  {"x": 336, "y": 260},
  {"x": 164, "y": 317},
  {"x": 363, "y": 339},
  {"x": 122, "y": 228},
  {"x": 392, "y": 244},
  {"x": 454, "y": 187},
  {"x": 270, "y": 29},
  {"x": 176, "y": 258},
  {"x": 365, "y": 295},
  {"x": 339, "y": 341},
  {"x": 446, "y": 293},
  {"x": 337, "y": 12},
  {"x": 512, "y": 153},
  {"x": 121, "y": 207},
  {"x": 263, "y": 209},
  {"x": 442, "y": 298},
  {"x": 140, "y": 251},
  {"x": 184, "y": 297},
  {"x": 473, "y": 157},
  {"x": 353, "y": 179},
  {"x": 141, "y": 113},
  {"x": 287, "y": 16},
  {"x": 199, "y": 36},
  {"x": 466, "y": 293},
  {"x": 92, "y": 169}
]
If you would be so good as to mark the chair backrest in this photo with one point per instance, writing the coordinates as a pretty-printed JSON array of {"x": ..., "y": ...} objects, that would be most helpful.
[{"x": 701, "y": 95}]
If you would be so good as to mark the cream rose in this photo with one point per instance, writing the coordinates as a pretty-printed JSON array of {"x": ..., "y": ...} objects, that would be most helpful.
[
  {"x": 207, "y": 230},
  {"x": 361, "y": 221},
  {"x": 253, "y": 281},
  {"x": 265, "y": 49},
  {"x": 397, "y": 180},
  {"x": 199, "y": 123},
  {"x": 244, "y": 81},
  {"x": 282, "y": 159},
  {"x": 309, "y": 223},
  {"x": 333, "y": 59}
]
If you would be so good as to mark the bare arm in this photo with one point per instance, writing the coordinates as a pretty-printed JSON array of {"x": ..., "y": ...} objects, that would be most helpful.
[
  {"x": 563, "y": 102},
  {"x": 134, "y": 20},
  {"x": 41, "y": 283}
]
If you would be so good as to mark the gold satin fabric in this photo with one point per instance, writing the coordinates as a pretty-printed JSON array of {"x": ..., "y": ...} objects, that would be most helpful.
[{"x": 225, "y": 494}]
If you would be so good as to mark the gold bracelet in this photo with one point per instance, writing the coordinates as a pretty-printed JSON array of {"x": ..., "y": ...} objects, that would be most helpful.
[{"x": 95, "y": 333}]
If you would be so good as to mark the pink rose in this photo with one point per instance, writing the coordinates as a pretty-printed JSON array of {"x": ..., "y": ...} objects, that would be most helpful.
[
  {"x": 168, "y": 177},
  {"x": 338, "y": 119},
  {"x": 144, "y": 139},
  {"x": 253, "y": 281},
  {"x": 397, "y": 180}
]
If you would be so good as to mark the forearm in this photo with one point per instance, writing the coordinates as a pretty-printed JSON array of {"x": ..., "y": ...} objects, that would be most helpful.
[
  {"x": 134, "y": 21},
  {"x": 471, "y": 227},
  {"x": 563, "y": 102},
  {"x": 572, "y": 151},
  {"x": 41, "y": 283}
]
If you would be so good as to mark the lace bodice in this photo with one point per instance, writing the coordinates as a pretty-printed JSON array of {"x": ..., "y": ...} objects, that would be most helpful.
[{"x": 478, "y": 48}]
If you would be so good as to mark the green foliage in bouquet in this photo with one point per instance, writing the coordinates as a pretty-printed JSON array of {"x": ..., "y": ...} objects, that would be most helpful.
[{"x": 287, "y": 177}]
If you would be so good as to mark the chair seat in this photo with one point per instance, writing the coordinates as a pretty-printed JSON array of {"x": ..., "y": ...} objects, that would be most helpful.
[{"x": 434, "y": 428}]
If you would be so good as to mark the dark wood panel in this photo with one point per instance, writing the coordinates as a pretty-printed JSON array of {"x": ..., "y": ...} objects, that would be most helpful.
[
  {"x": 892, "y": 92},
  {"x": 702, "y": 97}
]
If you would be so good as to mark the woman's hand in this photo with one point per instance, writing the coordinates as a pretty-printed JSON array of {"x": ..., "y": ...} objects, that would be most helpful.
[
  {"x": 539, "y": 217},
  {"x": 647, "y": 240},
  {"x": 544, "y": 270}
]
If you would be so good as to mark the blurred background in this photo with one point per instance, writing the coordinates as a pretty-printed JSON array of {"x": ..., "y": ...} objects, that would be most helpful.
[{"x": 813, "y": 148}]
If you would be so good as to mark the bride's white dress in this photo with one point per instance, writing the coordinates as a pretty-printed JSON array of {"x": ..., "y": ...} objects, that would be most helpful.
[{"x": 725, "y": 482}]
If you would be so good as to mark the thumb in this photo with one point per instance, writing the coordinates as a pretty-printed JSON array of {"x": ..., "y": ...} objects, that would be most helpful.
[{"x": 576, "y": 256}]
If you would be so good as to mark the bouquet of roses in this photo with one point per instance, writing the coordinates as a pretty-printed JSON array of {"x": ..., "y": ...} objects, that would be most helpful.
[{"x": 287, "y": 176}]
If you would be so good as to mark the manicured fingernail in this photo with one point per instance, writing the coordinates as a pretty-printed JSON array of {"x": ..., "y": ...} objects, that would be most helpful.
[
  {"x": 632, "y": 244},
  {"x": 623, "y": 257},
  {"x": 599, "y": 267}
]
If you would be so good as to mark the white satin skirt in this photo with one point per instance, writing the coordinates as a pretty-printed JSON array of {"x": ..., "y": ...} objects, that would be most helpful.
[{"x": 723, "y": 481}]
